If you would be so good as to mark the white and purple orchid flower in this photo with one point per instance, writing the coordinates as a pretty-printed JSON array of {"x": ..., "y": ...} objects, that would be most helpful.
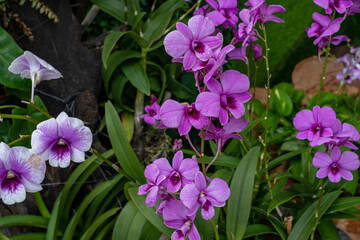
[
  {"x": 32, "y": 67},
  {"x": 61, "y": 140},
  {"x": 21, "y": 171}
]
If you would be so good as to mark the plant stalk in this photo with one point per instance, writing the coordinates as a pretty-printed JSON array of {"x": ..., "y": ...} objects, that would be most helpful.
[
  {"x": 41, "y": 205},
  {"x": 327, "y": 51},
  {"x": 215, "y": 229},
  {"x": 321, "y": 188}
]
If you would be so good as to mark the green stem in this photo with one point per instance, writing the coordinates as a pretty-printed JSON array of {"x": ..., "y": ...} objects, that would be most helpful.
[
  {"x": 23, "y": 117},
  {"x": 323, "y": 70},
  {"x": 321, "y": 188},
  {"x": 215, "y": 229},
  {"x": 41, "y": 205},
  {"x": 22, "y": 137},
  {"x": 3, "y": 237},
  {"x": 265, "y": 156},
  {"x": 38, "y": 108}
]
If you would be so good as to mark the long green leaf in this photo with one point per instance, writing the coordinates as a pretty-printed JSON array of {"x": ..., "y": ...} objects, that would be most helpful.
[
  {"x": 9, "y": 50},
  {"x": 258, "y": 229},
  {"x": 70, "y": 229},
  {"x": 109, "y": 44},
  {"x": 149, "y": 213},
  {"x": 136, "y": 227},
  {"x": 304, "y": 225},
  {"x": 277, "y": 161},
  {"x": 134, "y": 70},
  {"x": 115, "y": 8},
  {"x": 279, "y": 226},
  {"x": 241, "y": 187},
  {"x": 124, "y": 220},
  {"x": 98, "y": 222},
  {"x": 343, "y": 203},
  {"x": 28, "y": 236},
  {"x": 24, "y": 220},
  {"x": 123, "y": 150},
  {"x": 328, "y": 230},
  {"x": 282, "y": 197}
]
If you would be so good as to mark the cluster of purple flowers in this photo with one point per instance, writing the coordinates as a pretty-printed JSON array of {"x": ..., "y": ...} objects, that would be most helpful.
[
  {"x": 325, "y": 26},
  {"x": 319, "y": 127},
  {"x": 351, "y": 69},
  {"x": 182, "y": 189},
  {"x": 58, "y": 140}
]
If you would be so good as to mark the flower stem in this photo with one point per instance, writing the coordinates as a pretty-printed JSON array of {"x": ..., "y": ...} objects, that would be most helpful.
[
  {"x": 192, "y": 145},
  {"x": 41, "y": 205},
  {"x": 215, "y": 229},
  {"x": 23, "y": 117},
  {"x": 202, "y": 152},
  {"x": 22, "y": 137},
  {"x": 216, "y": 155},
  {"x": 321, "y": 188},
  {"x": 327, "y": 51},
  {"x": 265, "y": 156},
  {"x": 38, "y": 108}
]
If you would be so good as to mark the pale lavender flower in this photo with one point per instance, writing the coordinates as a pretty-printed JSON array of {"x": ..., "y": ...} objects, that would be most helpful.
[
  {"x": 181, "y": 173},
  {"x": 175, "y": 216},
  {"x": 199, "y": 194},
  {"x": 182, "y": 117},
  {"x": 323, "y": 28},
  {"x": 228, "y": 131},
  {"x": 315, "y": 125},
  {"x": 351, "y": 69},
  {"x": 226, "y": 97},
  {"x": 153, "y": 111},
  {"x": 224, "y": 12},
  {"x": 32, "y": 67},
  {"x": 177, "y": 145},
  {"x": 194, "y": 42},
  {"x": 339, "y": 165},
  {"x": 339, "y": 5},
  {"x": 61, "y": 140},
  {"x": 21, "y": 171},
  {"x": 154, "y": 187}
]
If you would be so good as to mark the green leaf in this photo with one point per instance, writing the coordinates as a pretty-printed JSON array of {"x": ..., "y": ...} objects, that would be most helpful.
[
  {"x": 277, "y": 161},
  {"x": 117, "y": 86},
  {"x": 279, "y": 226},
  {"x": 282, "y": 197},
  {"x": 282, "y": 102},
  {"x": 304, "y": 225},
  {"x": 344, "y": 203},
  {"x": 124, "y": 220},
  {"x": 134, "y": 70},
  {"x": 8, "y": 52},
  {"x": 28, "y": 236},
  {"x": 328, "y": 230},
  {"x": 149, "y": 213},
  {"x": 178, "y": 89},
  {"x": 258, "y": 229},
  {"x": 123, "y": 150},
  {"x": 136, "y": 227},
  {"x": 115, "y": 8},
  {"x": 98, "y": 222},
  {"x": 24, "y": 220},
  {"x": 241, "y": 188},
  {"x": 294, "y": 145},
  {"x": 109, "y": 44},
  {"x": 127, "y": 120},
  {"x": 163, "y": 78},
  {"x": 351, "y": 186}
]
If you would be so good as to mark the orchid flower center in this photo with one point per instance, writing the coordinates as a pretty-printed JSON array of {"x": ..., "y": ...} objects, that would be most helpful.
[
  {"x": 191, "y": 111},
  {"x": 317, "y": 128},
  {"x": 10, "y": 174},
  {"x": 61, "y": 142},
  {"x": 334, "y": 168},
  {"x": 202, "y": 194},
  {"x": 199, "y": 47},
  {"x": 175, "y": 178},
  {"x": 188, "y": 223},
  {"x": 152, "y": 112}
]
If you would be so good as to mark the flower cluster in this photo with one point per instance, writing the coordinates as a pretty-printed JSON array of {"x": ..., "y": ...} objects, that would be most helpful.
[
  {"x": 319, "y": 127},
  {"x": 182, "y": 189},
  {"x": 351, "y": 69},
  {"x": 58, "y": 140},
  {"x": 325, "y": 26}
]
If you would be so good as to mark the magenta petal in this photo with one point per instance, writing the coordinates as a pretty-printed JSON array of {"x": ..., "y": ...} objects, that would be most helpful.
[
  {"x": 235, "y": 125},
  {"x": 349, "y": 161},
  {"x": 176, "y": 44},
  {"x": 188, "y": 168},
  {"x": 200, "y": 181},
  {"x": 223, "y": 116},
  {"x": 321, "y": 160},
  {"x": 322, "y": 3},
  {"x": 234, "y": 82},
  {"x": 236, "y": 108},
  {"x": 171, "y": 113},
  {"x": 185, "y": 126},
  {"x": 152, "y": 171},
  {"x": 43, "y": 137},
  {"x": 334, "y": 177},
  {"x": 345, "y": 174},
  {"x": 163, "y": 166},
  {"x": 152, "y": 197},
  {"x": 177, "y": 160},
  {"x": 216, "y": 17},
  {"x": 201, "y": 26},
  {"x": 185, "y": 30},
  {"x": 189, "y": 195},
  {"x": 189, "y": 59},
  {"x": 4, "y": 158},
  {"x": 214, "y": 86},
  {"x": 12, "y": 191},
  {"x": 326, "y": 116},
  {"x": 198, "y": 121},
  {"x": 303, "y": 120},
  {"x": 302, "y": 135},
  {"x": 59, "y": 155},
  {"x": 213, "y": 41},
  {"x": 173, "y": 186},
  {"x": 219, "y": 191},
  {"x": 207, "y": 211},
  {"x": 143, "y": 189},
  {"x": 323, "y": 172},
  {"x": 208, "y": 104},
  {"x": 174, "y": 214},
  {"x": 194, "y": 234},
  {"x": 204, "y": 53},
  {"x": 335, "y": 154}
]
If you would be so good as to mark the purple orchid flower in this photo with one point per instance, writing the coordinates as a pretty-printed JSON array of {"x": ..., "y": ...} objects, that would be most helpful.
[
  {"x": 240, "y": 54},
  {"x": 61, "y": 140},
  {"x": 203, "y": 11},
  {"x": 263, "y": 13},
  {"x": 228, "y": 131},
  {"x": 246, "y": 32},
  {"x": 224, "y": 12},
  {"x": 153, "y": 111},
  {"x": 339, "y": 165},
  {"x": 339, "y": 5},
  {"x": 177, "y": 145},
  {"x": 355, "y": 8},
  {"x": 226, "y": 97},
  {"x": 257, "y": 52},
  {"x": 315, "y": 125},
  {"x": 254, "y": 4},
  {"x": 193, "y": 42},
  {"x": 181, "y": 173},
  {"x": 182, "y": 117},
  {"x": 32, "y": 67},
  {"x": 154, "y": 187},
  {"x": 21, "y": 171},
  {"x": 323, "y": 28},
  {"x": 175, "y": 217},
  {"x": 343, "y": 135},
  {"x": 199, "y": 194}
]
